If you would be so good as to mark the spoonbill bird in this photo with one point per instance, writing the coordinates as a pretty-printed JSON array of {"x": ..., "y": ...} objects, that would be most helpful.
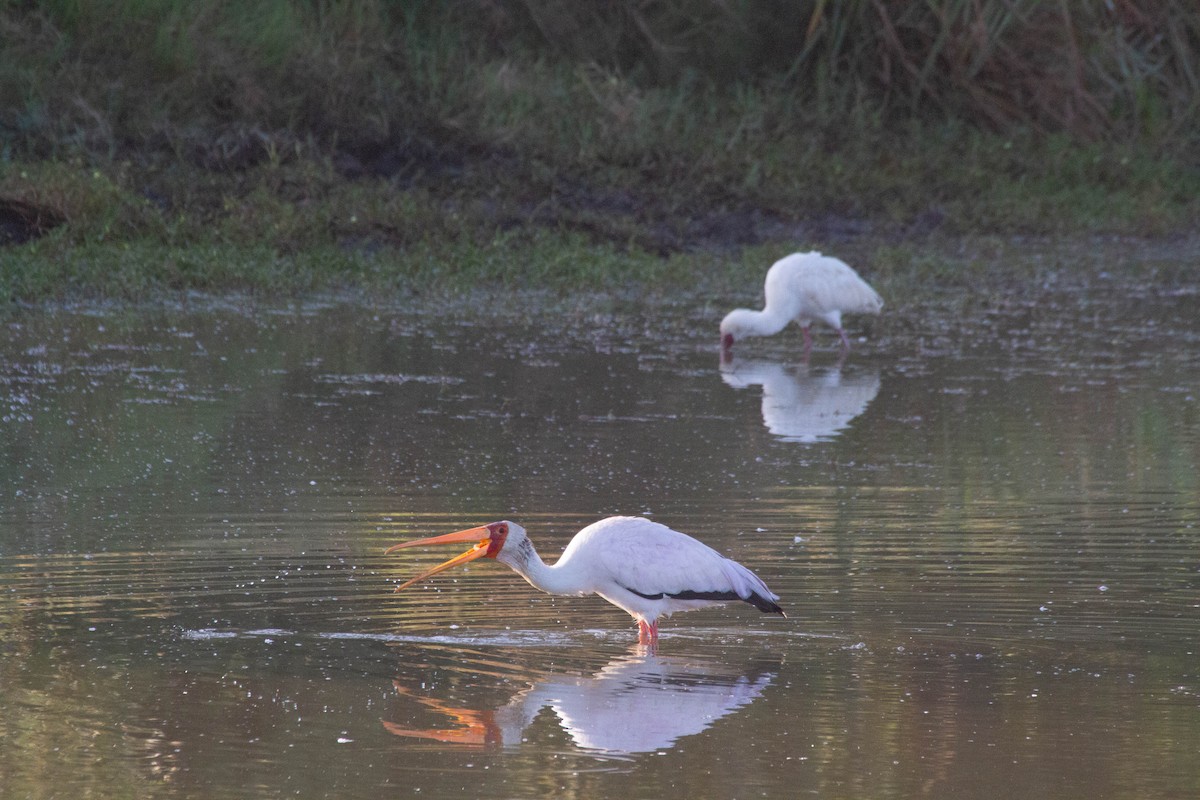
[
  {"x": 634, "y": 563},
  {"x": 804, "y": 287}
]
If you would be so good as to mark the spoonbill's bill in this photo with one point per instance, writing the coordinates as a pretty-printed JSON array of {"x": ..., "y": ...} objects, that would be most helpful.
[
  {"x": 634, "y": 563},
  {"x": 804, "y": 287}
]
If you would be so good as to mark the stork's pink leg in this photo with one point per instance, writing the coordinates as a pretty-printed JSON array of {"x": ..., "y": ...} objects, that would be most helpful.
[
  {"x": 647, "y": 632},
  {"x": 807, "y": 340}
]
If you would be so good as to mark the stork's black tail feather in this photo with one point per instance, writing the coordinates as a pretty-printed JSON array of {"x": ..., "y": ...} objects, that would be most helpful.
[{"x": 763, "y": 604}]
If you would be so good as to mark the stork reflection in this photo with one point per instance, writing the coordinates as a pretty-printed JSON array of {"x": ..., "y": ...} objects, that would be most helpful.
[
  {"x": 639, "y": 702},
  {"x": 802, "y": 403}
]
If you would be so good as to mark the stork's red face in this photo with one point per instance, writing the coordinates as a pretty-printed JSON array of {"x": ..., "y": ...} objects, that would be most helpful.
[{"x": 489, "y": 539}]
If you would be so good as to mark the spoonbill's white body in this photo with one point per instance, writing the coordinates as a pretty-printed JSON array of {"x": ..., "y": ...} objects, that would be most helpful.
[
  {"x": 636, "y": 564},
  {"x": 804, "y": 287}
]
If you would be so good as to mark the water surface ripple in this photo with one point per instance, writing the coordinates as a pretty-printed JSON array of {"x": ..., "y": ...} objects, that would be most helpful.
[{"x": 984, "y": 524}]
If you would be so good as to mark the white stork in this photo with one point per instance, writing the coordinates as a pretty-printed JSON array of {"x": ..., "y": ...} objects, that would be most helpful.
[
  {"x": 803, "y": 287},
  {"x": 634, "y": 563}
]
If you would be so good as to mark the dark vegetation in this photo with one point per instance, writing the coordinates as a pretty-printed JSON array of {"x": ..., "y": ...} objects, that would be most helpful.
[{"x": 279, "y": 146}]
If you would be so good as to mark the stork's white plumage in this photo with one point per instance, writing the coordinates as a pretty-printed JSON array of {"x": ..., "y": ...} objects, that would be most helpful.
[
  {"x": 804, "y": 287},
  {"x": 634, "y": 563}
]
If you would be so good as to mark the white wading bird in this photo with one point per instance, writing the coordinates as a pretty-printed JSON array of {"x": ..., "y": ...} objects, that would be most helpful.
[
  {"x": 804, "y": 287},
  {"x": 636, "y": 564}
]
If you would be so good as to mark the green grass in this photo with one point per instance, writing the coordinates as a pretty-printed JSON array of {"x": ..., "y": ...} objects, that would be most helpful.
[{"x": 280, "y": 147}]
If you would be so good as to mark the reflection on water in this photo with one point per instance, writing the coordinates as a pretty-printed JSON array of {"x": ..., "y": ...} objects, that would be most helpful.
[
  {"x": 803, "y": 404},
  {"x": 989, "y": 562},
  {"x": 638, "y": 703}
]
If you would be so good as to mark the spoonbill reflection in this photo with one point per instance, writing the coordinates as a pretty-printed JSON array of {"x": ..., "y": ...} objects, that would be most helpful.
[
  {"x": 638, "y": 703},
  {"x": 804, "y": 287},
  {"x": 803, "y": 405},
  {"x": 634, "y": 563}
]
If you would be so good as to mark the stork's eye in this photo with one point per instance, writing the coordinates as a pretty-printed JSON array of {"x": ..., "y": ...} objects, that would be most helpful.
[{"x": 502, "y": 529}]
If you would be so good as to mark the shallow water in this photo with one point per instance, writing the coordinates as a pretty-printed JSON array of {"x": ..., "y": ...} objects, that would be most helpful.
[{"x": 984, "y": 524}]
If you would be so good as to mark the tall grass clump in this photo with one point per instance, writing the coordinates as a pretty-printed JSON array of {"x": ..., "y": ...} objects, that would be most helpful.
[
  {"x": 1121, "y": 68},
  {"x": 110, "y": 74}
]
